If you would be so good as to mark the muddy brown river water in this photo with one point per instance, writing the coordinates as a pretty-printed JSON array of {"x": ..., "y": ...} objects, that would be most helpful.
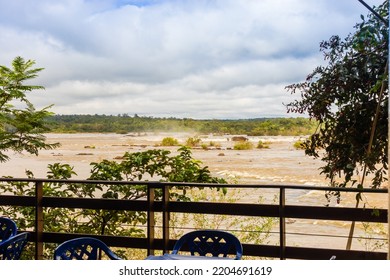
[{"x": 281, "y": 163}]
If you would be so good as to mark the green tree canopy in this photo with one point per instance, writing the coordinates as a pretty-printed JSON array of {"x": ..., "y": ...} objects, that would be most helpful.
[
  {"x": 349, "y": 98},
  {"x": 21, "y": 125}
]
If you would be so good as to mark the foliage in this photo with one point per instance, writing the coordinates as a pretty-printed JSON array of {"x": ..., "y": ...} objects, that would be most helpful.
[
  {"x": 169, "y": 141},
  {"x": 243, "y": 145},
  {"x": 151, "y": 164},
  {"x": 193, "y": 141},
  {"x": 299, "y": 145},
  {"x": 20, "y": 129},
  {"x": 374, "y": 237},
  {"x": 214, "y": 144},
  {"x": 343, "y": 96},
  {"x": 262, "y": 145},
  {"x": 128, "y": 124}
]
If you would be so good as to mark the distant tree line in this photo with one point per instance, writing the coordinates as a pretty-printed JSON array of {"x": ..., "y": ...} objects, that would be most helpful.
[{"x": 137, "y": 124}]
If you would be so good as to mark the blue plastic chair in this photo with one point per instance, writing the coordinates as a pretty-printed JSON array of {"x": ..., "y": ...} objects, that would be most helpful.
[
  {"x": 12, "y": 248},
  {"x": 8, "y": 228},
  {"x": 210, "y": 242},
  {"x": 83, "y": 248}
]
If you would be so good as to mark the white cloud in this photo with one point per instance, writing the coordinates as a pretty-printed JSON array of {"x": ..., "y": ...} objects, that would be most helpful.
[{"x": 201, "y": 59}]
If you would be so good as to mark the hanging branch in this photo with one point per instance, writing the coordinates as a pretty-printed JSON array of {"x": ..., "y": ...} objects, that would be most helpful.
[{"x": 372, "y": 135}]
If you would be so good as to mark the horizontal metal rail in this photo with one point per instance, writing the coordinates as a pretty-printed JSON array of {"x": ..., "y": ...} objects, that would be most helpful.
[{"x": 281, "y": 210}]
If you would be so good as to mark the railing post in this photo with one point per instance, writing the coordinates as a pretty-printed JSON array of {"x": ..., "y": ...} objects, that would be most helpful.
[
  {"x": 282, "y": 223},
  {"x": 39, "y": 220},
  {"x": 165, "y": 217},
  {"x": 151, "y": 220}
]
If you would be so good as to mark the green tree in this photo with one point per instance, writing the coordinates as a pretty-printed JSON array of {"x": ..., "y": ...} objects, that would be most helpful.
[
  {"x": 349, "y": 99},
  {"x": 20, "y": 129}
]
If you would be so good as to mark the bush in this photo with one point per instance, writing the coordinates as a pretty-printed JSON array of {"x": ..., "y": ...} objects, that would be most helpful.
[
  {"x": 262, "y": 145},
  {"x": 299, "y": 145},
  {"x": 193, "y": 141},
  {"x": 215, "y": 144},
  {"x": 169, "y": 141},
  {"x": 243, "y": 146}
]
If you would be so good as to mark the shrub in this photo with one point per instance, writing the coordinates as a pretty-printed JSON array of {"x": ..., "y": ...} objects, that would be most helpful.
[
  {"x": 193, "y": 141},
  {"x": 212, "y": 144},
  {"x": 262, "y": 145},
  {"x": 215, "y": 144},
  {"x": 169, "y": 141},
  {"x": 243, "y": 146},
  {"x": 299, "y": 145}
]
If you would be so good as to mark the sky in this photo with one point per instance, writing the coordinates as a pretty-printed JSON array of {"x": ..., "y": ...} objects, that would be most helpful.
[{"x": 201, "y": 59}]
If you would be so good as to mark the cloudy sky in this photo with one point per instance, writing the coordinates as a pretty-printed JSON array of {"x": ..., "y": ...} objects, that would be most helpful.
[{"x": 201, "y": 59}]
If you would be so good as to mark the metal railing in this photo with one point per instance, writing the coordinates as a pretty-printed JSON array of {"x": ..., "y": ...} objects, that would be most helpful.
[{"x": 282, "y": 211}]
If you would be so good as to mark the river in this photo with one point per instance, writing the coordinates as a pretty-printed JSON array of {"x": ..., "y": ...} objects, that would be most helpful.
[{"x": 281, "y": 163}]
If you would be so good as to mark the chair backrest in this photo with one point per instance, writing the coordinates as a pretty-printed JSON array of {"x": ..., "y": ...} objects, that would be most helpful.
[
  {"x": 210, "y": 242},
  {"x": 83, "y": 248},
  {"x": 12, "y": 248},
  {"x": 8, "y": 228}
]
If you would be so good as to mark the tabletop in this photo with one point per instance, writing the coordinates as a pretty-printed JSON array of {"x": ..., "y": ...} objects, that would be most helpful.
[{"x": 184, "y": 257}]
